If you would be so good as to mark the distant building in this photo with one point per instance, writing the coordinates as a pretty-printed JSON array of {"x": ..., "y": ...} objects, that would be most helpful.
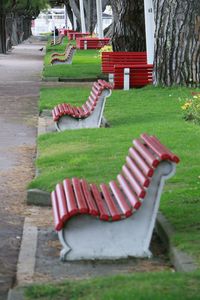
[{"x": 48, "y": 19}]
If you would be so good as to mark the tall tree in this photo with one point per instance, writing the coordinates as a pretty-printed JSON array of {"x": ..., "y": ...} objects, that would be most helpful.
[
  {"x": 177, "y": 37},
  {"x": 177, "y": 42},
  {"x": 90, "y": 12},
  {"x": 128, "y": 29},
  {"x": 20, "y": 13}
]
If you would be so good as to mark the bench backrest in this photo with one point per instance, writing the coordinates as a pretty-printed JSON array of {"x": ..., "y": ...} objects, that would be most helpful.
[
  {"x": 91, "y": 43},
  {"x": 110, "y": 59},
  {"x": 128, "y": 76}
]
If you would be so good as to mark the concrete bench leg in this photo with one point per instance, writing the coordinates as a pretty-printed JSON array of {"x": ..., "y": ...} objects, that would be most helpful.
[
  {"x": 92, "y": 121},
  {"x": 86, "y": 237}
]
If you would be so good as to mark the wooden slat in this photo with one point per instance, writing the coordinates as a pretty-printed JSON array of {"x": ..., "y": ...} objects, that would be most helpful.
[
  {"x": 89, "y": 199},
  {"x": 63, "y": 211},
  {"x": 146, "y": 169},
  {"x": 139, "y": 191},
  {"x": 104, "y": 214},
  {"x": 114, "y": 210},
  {"x": 134, "y": 201},
  {"x": 82, "y": 206},
  {"x": 70, "y": 197},
  {"x": 126, "y": 210},
  {"x": 57, "y": 220},
  {"x": 142, "y": 179},
  {"x": 145, "y": 153}
]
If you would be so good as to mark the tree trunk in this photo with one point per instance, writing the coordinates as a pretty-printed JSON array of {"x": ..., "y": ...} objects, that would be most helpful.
[
  {"x": 90, "y": 12},
  {"x": 128, "y": 25},
  {"x": 2, "y": 34},
  {"x": 177, "y": 42}
]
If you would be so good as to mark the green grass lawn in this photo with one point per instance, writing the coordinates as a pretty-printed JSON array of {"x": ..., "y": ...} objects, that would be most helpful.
[
  {"x": 98, "y": 154},
  {"x": 146, "y": 286},
  {"x": 85, "y": 64}
]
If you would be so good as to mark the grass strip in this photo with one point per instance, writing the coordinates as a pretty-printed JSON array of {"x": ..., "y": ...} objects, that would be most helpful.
[
  {"x": 86, "y": 64},
  {"x": 146, "y": 286}
]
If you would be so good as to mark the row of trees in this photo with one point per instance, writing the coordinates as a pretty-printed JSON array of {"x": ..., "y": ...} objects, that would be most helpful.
[
  {"x": 176, "y": 38},
  {"x": 15, "y": 20}
]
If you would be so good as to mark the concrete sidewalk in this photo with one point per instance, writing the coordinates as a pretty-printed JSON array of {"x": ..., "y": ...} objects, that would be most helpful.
[{"x": 20, "y": 76}]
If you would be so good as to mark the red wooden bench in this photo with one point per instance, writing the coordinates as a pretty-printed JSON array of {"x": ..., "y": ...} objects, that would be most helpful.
[
  {"x": 67, "y": 59},
  {"x": 74, "y": 35},
  {"x": 139, "y": 73},
  {"x": 129, "y": 76},
  {"x": 89, "y": 115},
  {"x": 91, "y": 43},
  {"x": 110, "y": 59},
  {"x": 86, "y": 215}
]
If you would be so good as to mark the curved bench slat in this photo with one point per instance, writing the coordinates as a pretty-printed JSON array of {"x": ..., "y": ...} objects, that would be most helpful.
[
  {"x": 121, "y": 201},
  {"x": 147, "y": 170},
  {"x": 113, "y": 209},
  {"x": 140, "y": 192},
  {"x": 82, "y": 206},
  {"x": 70, "y": 198},
  {"x": 88, "y": 197},
  {"x": 142, "y": 179},
  {"x": 145, "y": 153},
  {"x": 104, "y": 215}
]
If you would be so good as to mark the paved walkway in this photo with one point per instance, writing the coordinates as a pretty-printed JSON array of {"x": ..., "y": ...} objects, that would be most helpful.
[{"x": 19, "y": 90}]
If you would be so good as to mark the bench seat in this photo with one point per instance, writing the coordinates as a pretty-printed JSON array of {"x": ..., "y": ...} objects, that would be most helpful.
[
  {"x": 114, "y": 220},
  {"x": 88, "y": 115},
  {"x": 91, "y": 43},
  {"x": 66, "y": 59}
]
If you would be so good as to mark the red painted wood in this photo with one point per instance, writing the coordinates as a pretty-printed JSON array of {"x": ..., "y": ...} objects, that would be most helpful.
[
  {"x": 57, "y": 220},
  {"x": 121, "y": 201},
  {"x": 145, "y": 153},
  {"x": 104, "y": 214},
  {"x": 142, "y": 179},
  {"x": 110, "y": 59},
  {"x": 173, "y": 157},
  {"x": 70, "y": 197},
  {"x": 82, "y": 206},
  {"x": 139, "y": 191},
  {"x": 113, "y": 209},
  {"x": 86, "y": 109},
  {"x": 89, "y": 199},
  {"x": 65, "y": 107},
  {"x": 134, "y": 201},
  {"x": 64, "y": 215},
  {"x": 146, "y": 169}
]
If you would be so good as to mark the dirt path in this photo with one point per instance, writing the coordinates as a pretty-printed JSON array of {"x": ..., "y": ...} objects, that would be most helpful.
[{"x": 19, "y": 90}]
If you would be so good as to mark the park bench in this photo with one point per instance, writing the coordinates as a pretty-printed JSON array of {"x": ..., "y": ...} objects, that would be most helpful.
[
  {"x": 120, "y": 68},
  {"x": 63, "y": 53},
  {"x": 67, "y": 59},
  {"x": 114, "y": 220},
  {"x": 91, "y": 43},
  {"x": 74, "y": 35},
  {"x": 58, "y": 41},
  {"x": 132, "y": 76},
  {"x": 89, "y": 115}
]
